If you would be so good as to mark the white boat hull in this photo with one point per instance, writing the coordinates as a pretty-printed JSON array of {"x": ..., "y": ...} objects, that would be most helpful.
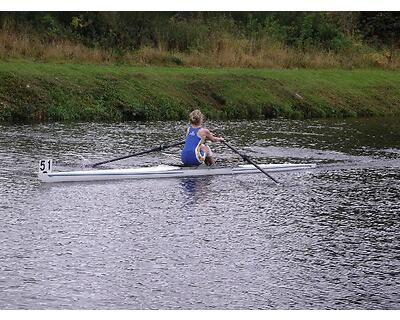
[{"x": 163, "y": 172}]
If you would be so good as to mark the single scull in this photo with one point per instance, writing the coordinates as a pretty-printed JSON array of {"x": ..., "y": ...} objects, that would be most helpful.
[{"x": 163, "y": 171}]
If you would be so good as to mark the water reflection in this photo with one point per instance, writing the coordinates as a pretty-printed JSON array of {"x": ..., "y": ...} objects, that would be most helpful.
[{"x": 195, "y": 189}]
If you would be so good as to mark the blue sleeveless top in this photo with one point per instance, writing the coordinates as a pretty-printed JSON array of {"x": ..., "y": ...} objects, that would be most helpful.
[{"x": 192, "y": 155}]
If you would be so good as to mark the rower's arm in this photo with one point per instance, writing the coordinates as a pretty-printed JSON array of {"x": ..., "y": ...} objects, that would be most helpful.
[{"x": 210, "y": 136}]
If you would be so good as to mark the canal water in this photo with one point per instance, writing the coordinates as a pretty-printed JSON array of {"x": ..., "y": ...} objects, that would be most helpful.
[{"x": 326, "y": 238}]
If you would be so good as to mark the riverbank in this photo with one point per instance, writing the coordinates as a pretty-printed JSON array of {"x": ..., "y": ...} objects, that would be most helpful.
[{"x": 34, "y": 92}]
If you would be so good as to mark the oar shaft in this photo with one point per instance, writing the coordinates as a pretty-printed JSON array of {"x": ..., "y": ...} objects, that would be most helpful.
[
  {"x": 262, "y": 170},
  {"x": 230, "y": 147},
  {"x": 246, "y": 158},
  {"x": 159, "y": 148}
]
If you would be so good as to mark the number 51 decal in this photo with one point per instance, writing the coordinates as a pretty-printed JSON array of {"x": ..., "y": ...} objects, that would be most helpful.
[{"x": 45, "y": 165}]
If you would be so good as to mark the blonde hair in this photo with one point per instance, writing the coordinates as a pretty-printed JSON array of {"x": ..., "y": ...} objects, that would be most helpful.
[{"x": 196, "y": 117}]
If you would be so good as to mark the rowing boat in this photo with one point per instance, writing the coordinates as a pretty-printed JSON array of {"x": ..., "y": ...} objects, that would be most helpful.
[{"x": 162, "y": 171}]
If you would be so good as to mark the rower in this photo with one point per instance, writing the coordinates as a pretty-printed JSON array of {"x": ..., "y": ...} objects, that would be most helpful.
[{"x": 196, "y": 152}]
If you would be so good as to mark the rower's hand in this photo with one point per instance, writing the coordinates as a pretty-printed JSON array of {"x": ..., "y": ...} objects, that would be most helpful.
[{"x": 220, "y": 139}]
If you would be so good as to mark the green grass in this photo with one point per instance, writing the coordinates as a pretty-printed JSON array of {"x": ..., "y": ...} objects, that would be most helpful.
[{"x": 31, "y": 92}]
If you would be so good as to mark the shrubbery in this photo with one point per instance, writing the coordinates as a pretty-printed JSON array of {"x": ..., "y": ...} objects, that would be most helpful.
[{"x": 246, "y": 39}]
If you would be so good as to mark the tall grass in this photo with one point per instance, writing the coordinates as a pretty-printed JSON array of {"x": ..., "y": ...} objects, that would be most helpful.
[
  {"x": 31, "y": 47},
  {"x": 221, "y": 50}
]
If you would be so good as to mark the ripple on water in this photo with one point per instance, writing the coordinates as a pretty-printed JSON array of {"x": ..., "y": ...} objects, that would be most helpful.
[{"x": 321, "y": 239}]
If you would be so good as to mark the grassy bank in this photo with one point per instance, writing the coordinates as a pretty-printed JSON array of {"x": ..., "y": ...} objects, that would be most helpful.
[{"x": 31, "y": 92}]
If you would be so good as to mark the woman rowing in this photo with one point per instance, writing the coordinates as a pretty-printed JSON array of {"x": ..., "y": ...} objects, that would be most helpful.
[{"x": 195, "y": 152}]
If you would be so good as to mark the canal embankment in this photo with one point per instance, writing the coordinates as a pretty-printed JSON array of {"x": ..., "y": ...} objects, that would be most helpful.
[{"x": 48, "y": 92}]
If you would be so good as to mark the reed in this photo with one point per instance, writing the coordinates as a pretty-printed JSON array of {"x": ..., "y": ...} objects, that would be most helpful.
[
  {"x": 30, "y": 47},
  {"x": 222, "y": 50}
]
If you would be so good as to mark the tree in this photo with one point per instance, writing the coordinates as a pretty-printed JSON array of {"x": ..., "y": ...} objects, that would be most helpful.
[{"x": 382, "y": 29}]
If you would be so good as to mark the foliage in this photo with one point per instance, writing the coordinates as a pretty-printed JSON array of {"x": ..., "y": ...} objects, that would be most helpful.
[
  {"x": 383, "y": 29},
  {"x": 188, "y": 31},
  {"x": 222, "y": 39}
]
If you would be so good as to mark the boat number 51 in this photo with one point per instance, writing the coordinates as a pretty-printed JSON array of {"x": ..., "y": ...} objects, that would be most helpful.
[{"x": 45, "y": 165}]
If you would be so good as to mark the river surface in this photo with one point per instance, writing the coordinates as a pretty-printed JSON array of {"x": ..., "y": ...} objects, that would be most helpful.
[{"x": 327, "y": 238}]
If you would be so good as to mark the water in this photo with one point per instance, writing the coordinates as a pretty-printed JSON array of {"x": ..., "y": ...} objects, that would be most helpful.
[{"x": 321, "y": 239}]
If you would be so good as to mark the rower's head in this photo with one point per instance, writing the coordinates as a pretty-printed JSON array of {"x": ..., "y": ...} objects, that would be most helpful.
[{"x": 196, "y": 118}]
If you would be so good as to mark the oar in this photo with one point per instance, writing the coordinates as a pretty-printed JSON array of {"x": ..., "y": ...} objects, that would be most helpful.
[
  {"x": 159, "y": 148},
  {"x": 246, "y": 158}
]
